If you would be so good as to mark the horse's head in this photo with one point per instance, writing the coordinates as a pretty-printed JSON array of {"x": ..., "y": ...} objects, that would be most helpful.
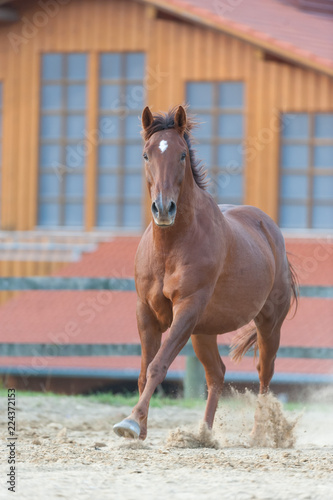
[{"x": 166, "y": 155}]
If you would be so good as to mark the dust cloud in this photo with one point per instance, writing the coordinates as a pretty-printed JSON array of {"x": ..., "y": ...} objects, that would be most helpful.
[{"x": 247, "y": 420}]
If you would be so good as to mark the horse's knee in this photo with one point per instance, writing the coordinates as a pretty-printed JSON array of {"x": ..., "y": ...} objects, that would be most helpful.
[{"x": 157, "y": 372}]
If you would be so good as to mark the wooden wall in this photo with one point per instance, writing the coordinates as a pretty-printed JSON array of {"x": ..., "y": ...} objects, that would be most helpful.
[{"x": 176, "y": 52}]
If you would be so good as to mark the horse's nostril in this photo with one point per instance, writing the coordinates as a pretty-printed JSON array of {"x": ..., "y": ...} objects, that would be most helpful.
[
  {"x": 154, "y": 209},
  {"x": 172, "y": 208}
]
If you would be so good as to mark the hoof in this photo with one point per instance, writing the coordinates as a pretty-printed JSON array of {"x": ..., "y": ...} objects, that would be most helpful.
[{"x": 127, "y": 428}]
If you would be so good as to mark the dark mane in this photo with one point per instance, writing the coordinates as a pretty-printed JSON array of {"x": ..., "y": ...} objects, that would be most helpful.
[{"x": 164, "y": 121}]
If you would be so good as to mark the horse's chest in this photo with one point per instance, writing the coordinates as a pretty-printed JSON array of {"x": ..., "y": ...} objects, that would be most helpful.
[{"x": 160, "y": 305}]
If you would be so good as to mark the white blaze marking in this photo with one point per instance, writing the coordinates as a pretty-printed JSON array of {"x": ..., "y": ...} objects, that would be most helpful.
[{"x": 163, "y": 145}]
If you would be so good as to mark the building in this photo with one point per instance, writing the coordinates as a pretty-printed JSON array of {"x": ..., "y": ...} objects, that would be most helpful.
[{"x": 76, "y": 74}]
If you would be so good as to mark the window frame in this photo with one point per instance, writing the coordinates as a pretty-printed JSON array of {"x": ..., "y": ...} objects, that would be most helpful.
[
  {"x": 216, "y": 111},
  {"x": 120, "y": 200},
  {"x": 311, "y": 172},
  {"x": 62, "y": 171},
  {"x": 1, "y": 141}
]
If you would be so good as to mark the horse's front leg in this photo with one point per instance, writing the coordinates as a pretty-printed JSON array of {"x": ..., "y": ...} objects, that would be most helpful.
[
  {"x": 150, "y": 336},
  {"x": 185, "y": 316}
]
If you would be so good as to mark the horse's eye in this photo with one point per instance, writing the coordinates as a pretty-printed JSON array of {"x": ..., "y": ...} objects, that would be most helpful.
[
  {"x": 145, "y": 156},
  {"x": 183, "y": 156}
]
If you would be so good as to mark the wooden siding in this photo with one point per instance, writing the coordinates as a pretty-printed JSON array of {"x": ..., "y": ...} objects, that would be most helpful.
[{"x": 176, "y": 52}]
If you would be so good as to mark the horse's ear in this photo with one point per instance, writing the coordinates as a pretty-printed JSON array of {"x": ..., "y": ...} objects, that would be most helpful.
[
  {"x": 180, "y": 119},
  {"x": 147, "y": 118}
]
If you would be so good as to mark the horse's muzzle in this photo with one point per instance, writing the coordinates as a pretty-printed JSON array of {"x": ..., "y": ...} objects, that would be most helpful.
[{"x": 164, "y": 214}]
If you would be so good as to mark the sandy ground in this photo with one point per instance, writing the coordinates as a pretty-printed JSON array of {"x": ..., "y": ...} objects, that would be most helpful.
[{"x": 66, "y": 449}]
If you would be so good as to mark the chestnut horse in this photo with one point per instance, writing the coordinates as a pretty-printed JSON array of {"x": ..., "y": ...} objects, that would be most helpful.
[{"x": 201, "y": 270}]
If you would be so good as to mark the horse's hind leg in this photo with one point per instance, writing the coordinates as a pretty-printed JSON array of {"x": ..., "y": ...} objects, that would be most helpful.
[
  {"x": 268, "y": 323},
  {"x": 206, "y": 350}
]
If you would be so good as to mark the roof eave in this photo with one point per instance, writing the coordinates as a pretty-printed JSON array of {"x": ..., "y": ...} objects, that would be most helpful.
[{"x": 259, "y": 39}]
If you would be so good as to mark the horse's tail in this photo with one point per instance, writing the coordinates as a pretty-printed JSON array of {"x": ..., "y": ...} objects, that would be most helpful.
[
  {"x": 244, "y": 340},
  {"x": 294, "y": 284},
  {"x": 247, "y": 337}
]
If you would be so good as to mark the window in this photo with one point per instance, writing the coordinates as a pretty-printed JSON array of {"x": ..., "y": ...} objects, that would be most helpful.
[
  {"x": 219, "y": 108},
  {"x": 306, "y": 171},
  {"x": 0, "y": 138},
  {"x": 62, "y": 156},
  {"x": 120, "y": 181}
]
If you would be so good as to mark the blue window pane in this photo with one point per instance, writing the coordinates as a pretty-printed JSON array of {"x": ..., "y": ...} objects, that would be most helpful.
[
  {"x": 231, "y": 95},
  {"x": 230, "y": 186},
  {"x": 204, "y": 153},
  {"x": 293, "y": 216},
  {"x": 323, "y": 156},
  {"x": 52, "y": 67},
  {"x": 133, "y": 156},
  {"x": 75, "y": 126},
  {"x": 323, "y": 187},
  {"x": 49, "y": 185},
  {"x": 324, "y": 125},
  {"x": 109, "y": 97},
  {"x": 50, "y": 155},
  {"x": 294, "y": 187},
  {"x": 133, "y": 186},
  {"x": 110, "y": 66},
  {"x": 74, "y": 214},
  {"x": 107, "y": 215},
  {"x": 295, "y": 156},
  {"x": 135, "y": 97},
  {"x": 295, "y": 125},
  {"x": 108, "y": 156},
  {"x": 322, "y": 217},
  {"x": 50, "y": 127},
  {"x": 230, "y": 155},
  {"x": 109, "y": 127},
  {"x": 135, "y": 66},
  {"x": 48, "y": 214},
  {"x": 200, "y": 95},
  {"x": 132, "y": 127},
  {"x": 132, "y": 216},
  {"x": 76, "y": 96},
  {"x": 77, "y": 66},
  {"x": 204, "y": 130},
  {"x": 51, "y": 97},
  {"x": 75, "y": 156},
  {"x": 231, "y": 126},
  {"x": 107, "y": 186},
  {"x": 74, "y": 185}
]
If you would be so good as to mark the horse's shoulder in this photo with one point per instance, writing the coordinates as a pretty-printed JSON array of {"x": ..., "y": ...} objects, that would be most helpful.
[{"x": 245, "y": 214}]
